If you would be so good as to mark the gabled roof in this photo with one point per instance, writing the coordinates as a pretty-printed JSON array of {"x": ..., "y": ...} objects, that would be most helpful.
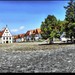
[
  {"x": 38, "y": 31},
  {"x": 35, "y": 31},
  {"x": 18, "y": 36},
  {"x": 28, "y": 32},
  {"x": 1, "y": 32},
  {"x": 21, "y": 35},
  {"x": 15, "y": 36}
]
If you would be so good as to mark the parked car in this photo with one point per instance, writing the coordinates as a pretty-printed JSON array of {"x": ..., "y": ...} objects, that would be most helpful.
[
  {"x": 63, "y": 39},
  {"x": 67, "y": 40}
]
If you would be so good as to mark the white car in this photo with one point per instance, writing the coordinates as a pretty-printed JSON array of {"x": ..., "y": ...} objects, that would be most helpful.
[{"x": 64, "y": 39}]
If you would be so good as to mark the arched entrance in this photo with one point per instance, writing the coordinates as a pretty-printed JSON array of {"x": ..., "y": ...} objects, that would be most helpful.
[{"x": 6, "y": 41}]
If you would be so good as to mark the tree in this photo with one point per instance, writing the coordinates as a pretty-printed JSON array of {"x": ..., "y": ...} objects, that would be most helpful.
[
  {"x": 60, "y": 27},
  {"x": 51, "y": 28},
  {"x": 70, "y": 19},
  {"x": 70, "y": 11},
  {"x": 47, "y": 27}
]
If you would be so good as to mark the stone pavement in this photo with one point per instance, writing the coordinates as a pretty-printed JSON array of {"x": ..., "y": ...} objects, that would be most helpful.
[{"x": 60, "y": 60}]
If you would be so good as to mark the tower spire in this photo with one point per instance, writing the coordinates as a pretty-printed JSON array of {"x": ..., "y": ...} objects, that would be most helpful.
[{"x": 6, "y": 26}]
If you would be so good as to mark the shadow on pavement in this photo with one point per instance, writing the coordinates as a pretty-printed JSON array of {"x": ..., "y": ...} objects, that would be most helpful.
[{"x": 57, "y": 44}]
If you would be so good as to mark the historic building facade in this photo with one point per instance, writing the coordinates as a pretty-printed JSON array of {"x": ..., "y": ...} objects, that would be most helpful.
[{"x": 6, "y": 36}]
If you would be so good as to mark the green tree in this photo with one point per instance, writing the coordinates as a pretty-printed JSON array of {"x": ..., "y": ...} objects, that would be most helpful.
[
  {"x": 70, "y": 19},
  {"x": 70, "y": 11},
  {"x": 47, "y": 27},
  {"x": 51, "y": 28},
  {"x": 60, "y": 27}
]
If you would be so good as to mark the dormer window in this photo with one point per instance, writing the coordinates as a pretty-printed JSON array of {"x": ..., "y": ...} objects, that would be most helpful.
[{"x": 6, "y": 30}]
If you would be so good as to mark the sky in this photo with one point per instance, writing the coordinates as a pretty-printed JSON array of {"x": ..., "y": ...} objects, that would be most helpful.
[{"x": 21, "y": 16}]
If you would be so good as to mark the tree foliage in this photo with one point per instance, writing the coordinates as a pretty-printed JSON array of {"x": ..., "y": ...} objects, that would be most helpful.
[
  {"x": 70, "y": 19},
  {"x": 52, "y": 27},
  {"x": 47, "y": 26},
  {"x": 70, "y": 12}
]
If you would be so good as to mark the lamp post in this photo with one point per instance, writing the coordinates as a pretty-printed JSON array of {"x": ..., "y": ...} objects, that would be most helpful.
[{"x": 6, "y": 26}]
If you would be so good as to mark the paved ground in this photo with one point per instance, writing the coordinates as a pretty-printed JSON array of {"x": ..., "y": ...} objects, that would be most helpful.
[{"x": 34, "y": 58}]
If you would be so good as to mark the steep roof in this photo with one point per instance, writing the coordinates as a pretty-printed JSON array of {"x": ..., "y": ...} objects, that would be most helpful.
[
  {"x": 38, "y": 31},
  {"x": 18, "y": 36},
  {"x": 21, "y": 35},
  {"x": 35, "y": 31},
  {"x": 27, "y": 33},
  {"x": 1, "y": 32},
  {"x": 15, "y": 36}
]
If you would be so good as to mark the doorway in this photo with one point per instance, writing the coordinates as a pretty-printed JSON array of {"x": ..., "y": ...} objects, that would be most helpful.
[{"x": 6, "y": 41}]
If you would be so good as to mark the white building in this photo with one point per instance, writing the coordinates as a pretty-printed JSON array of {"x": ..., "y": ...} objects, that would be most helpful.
[
  {"x": 35, "y": 34},
  {"x": 5, "y": 36},
  {"x": 19, "y": 38},
  {"x": 38, "y": 36}
]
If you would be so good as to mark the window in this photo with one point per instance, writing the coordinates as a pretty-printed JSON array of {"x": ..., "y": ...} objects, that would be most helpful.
[
  {"x": 6, "y": 31},
  {"x": 10, "y": 38},
  {"x": 3, "y": 38}
]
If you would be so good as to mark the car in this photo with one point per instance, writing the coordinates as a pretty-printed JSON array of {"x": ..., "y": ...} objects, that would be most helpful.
[
  {"x": 63, "y": 39},
  {"x": 67, "y": 40}
]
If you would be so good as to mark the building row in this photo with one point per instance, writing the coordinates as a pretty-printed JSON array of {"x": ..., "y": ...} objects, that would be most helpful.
[{"x": 30, "y": 35}]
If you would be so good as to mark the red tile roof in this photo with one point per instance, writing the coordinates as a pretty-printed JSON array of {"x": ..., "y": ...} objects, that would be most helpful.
[
  {"x": 1, "y": 32},
  {"x": 27, "y": 33},
  {"x": 21, "y": 35},
  {"x": 18, "y": 36},
  {"x": 38, "y": 31},
  {"x": 35, "y": 31},
  {"x": 15, "y": 36}
]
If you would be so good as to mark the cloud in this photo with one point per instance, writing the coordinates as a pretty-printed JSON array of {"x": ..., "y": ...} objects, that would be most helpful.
[
  {"x": 14, "y": 30},
  {"x": 22, "y": 27},
  {"x": 18, "y": 29}
]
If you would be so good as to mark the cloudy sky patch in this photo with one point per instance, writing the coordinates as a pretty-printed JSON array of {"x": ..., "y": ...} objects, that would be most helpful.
[{"x": 18, "y": 29}]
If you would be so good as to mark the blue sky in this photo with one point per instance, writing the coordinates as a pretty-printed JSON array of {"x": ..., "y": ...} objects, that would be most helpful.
[{"x": 21, "y": 16}]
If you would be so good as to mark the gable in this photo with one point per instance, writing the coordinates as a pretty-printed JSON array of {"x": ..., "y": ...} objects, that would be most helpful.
[
  {"x": 35, "y": 31},
  {"x": 6, "y": 32},
  {"x": 1, "y": 32}
]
